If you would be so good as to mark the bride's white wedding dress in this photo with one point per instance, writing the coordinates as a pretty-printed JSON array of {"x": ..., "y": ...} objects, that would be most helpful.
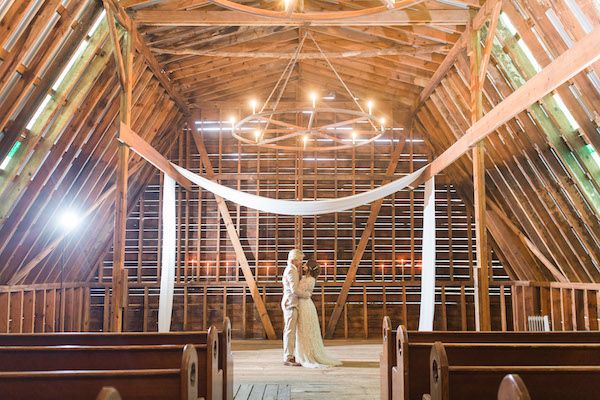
[{"x": 310, "y": 350}]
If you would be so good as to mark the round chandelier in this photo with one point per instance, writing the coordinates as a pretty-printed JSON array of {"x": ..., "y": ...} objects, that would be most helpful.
[{"x": 311, "y": 128}]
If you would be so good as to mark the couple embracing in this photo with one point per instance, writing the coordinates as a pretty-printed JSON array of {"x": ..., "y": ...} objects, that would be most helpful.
[{"x": 302, "y": 341}]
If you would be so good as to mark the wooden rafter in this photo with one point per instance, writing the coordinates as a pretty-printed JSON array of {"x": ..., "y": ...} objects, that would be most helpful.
[
  {"x": 581, "y": 55},
  {"x": 146, "y": 151},
  {"x": 490, "y": 7},
  {"x": 141, "y": 46}
]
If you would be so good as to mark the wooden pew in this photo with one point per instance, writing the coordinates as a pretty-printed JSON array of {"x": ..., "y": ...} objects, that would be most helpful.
[
  {"x": 413, "y": 350},
  {"x": 512, "y": 387},
  {"x": 225, "y": 361},
  {"x": 547, "y": 382},
  {"x": 387, "y": 359},
  {"x": 128, "y": 357},
  {"x": 134, "y": 384},
  {"x": 108, "y": 393}
]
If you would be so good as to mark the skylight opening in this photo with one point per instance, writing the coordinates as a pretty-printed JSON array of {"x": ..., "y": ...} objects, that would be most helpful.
[
  {"x": 38, "y": 112},
  {"x": 593, "y": 153},
  {"x": 10, "y": 155},
  {"x": 96, "y": 23},
  {"x": 565, "y": 111},
  {"x": 529, "y": 55},
  {"x": 559, "y": 27},
  {"x": 70, "y": 64},
  {"x": 508, "y": 23},
  {"x": 579, "y": 15},
  {"x": 594, "y": 79}
]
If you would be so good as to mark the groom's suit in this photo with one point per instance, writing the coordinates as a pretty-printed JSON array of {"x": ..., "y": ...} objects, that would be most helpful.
[{"x": 289, "y": 304}]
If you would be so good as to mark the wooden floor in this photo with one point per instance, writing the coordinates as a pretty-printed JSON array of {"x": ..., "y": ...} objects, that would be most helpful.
[
  {"x": 258, "y": 366},
  {"x": 262, "y": 391}
]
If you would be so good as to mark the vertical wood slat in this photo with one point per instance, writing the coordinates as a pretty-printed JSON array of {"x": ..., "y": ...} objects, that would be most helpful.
[
  {"x": 40, "y": 312},
  {"x": 50, "y": 311},
  {"x": 28, "y": 311},
  {"x": 16, "y": 312},
  {"x": 502, "y": 309},
  {"x": 4, "y": 312}
]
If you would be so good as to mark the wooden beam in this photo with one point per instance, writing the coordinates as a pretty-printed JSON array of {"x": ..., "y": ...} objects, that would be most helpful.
[
  {"x": 150, "y": 154},
  {"x": 484, "y": 13},
  {"x": 235, "y": 18},
  {"x": 583, "y": 54},
  {"x": 151, "y": 61},
  {"x": 492, "y": 207},
  {"x": 489, "y": 41},
  {"x": 119, "y": 272},
  {"x": 481, "y": 267},
  {"x": 362, "y": 244},
  {"x": 392, "y": 51},
  {"x": 114, "y": 36},
  {"x": 234, "y": 238}
]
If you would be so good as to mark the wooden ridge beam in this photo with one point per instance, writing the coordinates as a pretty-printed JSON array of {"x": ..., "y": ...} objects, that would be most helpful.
[
  {"x": 150, "y": 154},
  {"x": 362, "y": 244},
  {"x": 583, "y": 54},
  {"x": 235, "y": 18},
  {"x": 234, "y": 238}
]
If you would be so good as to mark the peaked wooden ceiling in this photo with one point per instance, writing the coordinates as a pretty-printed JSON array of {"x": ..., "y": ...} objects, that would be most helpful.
[
  {"x": 542, "y": 166},
  {"x": 173, "y": 31}
]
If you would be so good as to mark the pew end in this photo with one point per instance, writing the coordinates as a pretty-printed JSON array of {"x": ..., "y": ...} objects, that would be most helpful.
[
  {"x": 214, "y": 379},
  {"x": 386, "y": 359},
  {"x": 400, "y": 381},
  {"x": 438, "y": 361},
  {"x": 226, "y": 356},
  {"x": 512, "y": 387},
  {"x": 108, "y": 393},
  {"x": 189, "y": 373}
]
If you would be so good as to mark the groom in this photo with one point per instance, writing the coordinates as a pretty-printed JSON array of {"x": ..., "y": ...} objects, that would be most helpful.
[{"x": 289, "y": 304}]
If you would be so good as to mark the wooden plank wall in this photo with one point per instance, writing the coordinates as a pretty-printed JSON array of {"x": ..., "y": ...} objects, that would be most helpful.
[
  {"x": 45, "y": 308},
  {"x": 390, "y": 269}
]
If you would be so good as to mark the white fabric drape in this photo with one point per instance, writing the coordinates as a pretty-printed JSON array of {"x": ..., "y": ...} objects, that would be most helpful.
[
  {"x": 167, "y": 278},
  {"x": 289, "y": 207},
  {"x": 428, "y": 260}
]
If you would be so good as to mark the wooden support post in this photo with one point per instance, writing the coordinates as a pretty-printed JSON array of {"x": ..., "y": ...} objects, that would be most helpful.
[
  {"x": 119, "y": 273},
  {"x": 481, "y": 270},
  {"x": 235, "y": 241}
]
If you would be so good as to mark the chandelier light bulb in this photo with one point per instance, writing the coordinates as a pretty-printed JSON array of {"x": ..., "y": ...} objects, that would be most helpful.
[
  {"x": 370, "y": 106},
  {"x": 353, "y": 137},
  {"x": 257, "y": 135},
  {"x": 287, "y": 4},
  {"x": 253, "y": 104},
  {"x": 382, "y": 122},
  {"x": 305, "y": 140}
]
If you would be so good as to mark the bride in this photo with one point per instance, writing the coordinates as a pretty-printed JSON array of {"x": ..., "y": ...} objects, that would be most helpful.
[{"x": 310, "y": 351}]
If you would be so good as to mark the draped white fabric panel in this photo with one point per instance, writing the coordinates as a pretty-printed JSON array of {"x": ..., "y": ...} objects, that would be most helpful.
[
  {"x": 167, "y": 278},
  {"x": 289, "y": 207},
  {"x": 428, "y": 260}
]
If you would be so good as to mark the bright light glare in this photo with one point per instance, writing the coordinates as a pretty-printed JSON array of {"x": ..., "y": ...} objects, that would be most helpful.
[
  {"x": 370, "y": 106},
  {"x": 257, "y": 134},
  {"x": 69, "y": 220},
  {"x": 313, "y": 97},
  {"x": 253, "y": 104}
]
